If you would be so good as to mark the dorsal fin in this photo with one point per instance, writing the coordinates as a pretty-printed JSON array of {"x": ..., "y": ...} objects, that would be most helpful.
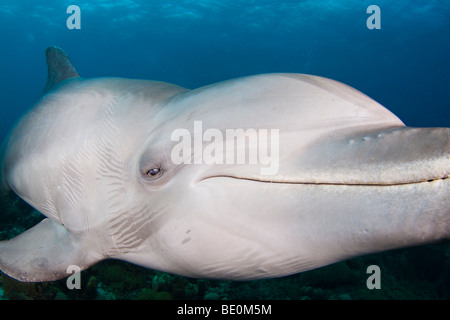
[{"x": 60, "y": 68}]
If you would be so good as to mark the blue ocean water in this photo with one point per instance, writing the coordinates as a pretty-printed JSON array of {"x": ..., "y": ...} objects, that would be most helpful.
[{"x": 404, "y": 65}]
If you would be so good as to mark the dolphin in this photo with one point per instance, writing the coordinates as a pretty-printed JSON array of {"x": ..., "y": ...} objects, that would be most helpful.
[{"x": 145, "y": 171}]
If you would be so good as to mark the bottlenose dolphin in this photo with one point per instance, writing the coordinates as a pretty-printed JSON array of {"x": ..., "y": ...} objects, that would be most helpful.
[{"x": 96, "y": 157}]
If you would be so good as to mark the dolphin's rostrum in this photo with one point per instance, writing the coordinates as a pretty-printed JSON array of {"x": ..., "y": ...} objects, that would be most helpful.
[{"x": 94, "y": 156}]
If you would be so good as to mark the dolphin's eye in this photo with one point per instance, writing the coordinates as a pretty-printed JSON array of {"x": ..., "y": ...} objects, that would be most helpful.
[{"x": 154, "y": 172}]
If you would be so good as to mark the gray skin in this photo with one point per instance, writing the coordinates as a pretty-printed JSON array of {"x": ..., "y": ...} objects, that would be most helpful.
[{"x": 95, "y": 157}]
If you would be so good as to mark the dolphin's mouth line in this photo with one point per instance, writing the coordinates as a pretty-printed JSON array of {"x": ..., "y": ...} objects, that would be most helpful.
[{"x": 365, "y": 184}]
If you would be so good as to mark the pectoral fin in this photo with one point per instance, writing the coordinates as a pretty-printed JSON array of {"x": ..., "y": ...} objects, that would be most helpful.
[{"x": 43, "y": 253}]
